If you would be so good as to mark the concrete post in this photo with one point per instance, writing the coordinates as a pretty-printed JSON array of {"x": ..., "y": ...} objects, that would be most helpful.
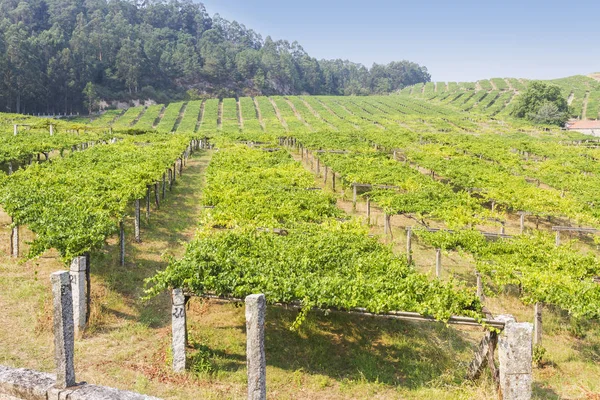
[
  {"x": 179, "y": 330},
  {"x": 438, "y": 263},
  {"x": 164, "y": 185},
  {"x": 156, "y": 195},
  {"x": 409, "y": 244},
  {"x": 326, "y": 172},
  {"x": 136, "y": 222},
  {"x": 78, "y": 272},
  {"x": 354, "y": 196},
  {"x": 557, "y": 238},
  {"x": 51, "y": 130},
  {"x": 256, "y": 308},
  {"x": 515, "y": 353},
  {"x": 479, "y": 286},
  {"x": 368, "y": 211},
  {"x": 522, "y": 223},
  {"x": 122, "y": 243},
  {"x": 174, "y": 171},
  {"x": 14, "y": 242},
  {"x": 170, "y": 179},
  {"x": 333, "y": 181},
  {"x": 64, "y": 341},
  {"x": 537, "y": 323},
  {"x": 502, "y": 229},
  {"x": 10, "y": 168},
  {"x": 15, "y": 129},
  {"x": 386, "y": 224},
  {"x": 147, "y": 204},
  {"x": 180, "y": 167},
  {"x": 318, "y": 167}
]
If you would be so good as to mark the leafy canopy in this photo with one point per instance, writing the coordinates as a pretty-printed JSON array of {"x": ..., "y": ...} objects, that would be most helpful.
[{"x": 542, "y": 103}]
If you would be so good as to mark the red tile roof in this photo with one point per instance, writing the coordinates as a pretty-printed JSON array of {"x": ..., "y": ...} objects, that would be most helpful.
[{"x": 586, "y": 124}]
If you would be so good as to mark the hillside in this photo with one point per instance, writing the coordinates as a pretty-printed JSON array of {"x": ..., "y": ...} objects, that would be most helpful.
[
  {"x": 494, "y": 96},
  {"x": 51, "y": 50}
]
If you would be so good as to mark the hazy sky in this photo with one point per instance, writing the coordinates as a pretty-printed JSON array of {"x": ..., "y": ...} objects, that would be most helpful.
[{"x": 456, "y": 40}]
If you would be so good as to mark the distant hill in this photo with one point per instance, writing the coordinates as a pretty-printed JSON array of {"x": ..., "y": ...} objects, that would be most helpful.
[
  {"x": 494, "y": 96},
  {"x": 164, "y": 50}
]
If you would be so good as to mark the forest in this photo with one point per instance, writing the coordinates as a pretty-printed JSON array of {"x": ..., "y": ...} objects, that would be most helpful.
[{"x": 162, "y": 50}]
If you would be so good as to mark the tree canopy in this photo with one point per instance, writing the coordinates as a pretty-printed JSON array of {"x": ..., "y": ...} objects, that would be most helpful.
[
  {"x": 542, "y": 103},
  {"x": 160, "y": 49}
]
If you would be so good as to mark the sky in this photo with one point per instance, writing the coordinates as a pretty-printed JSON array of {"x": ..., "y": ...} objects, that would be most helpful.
[{"x": 456, "y": 40}]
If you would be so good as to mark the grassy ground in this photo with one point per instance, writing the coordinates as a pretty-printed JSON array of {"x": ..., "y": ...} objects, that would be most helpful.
[{"x": 332, "y": 356}]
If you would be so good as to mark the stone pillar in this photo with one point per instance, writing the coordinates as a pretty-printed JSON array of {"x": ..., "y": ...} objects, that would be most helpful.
[
  {"x": 179, "y": 330},
  {"x": 522, "y": 223},
  {"x": 64, "y": 341},
  {"x": 15, "y": 129},
  {"x": 10, "y": 168},
  {"x": 386, "y": 224},
  {"x": 409, "y": 245},
  {"x": 147, "y": 204},
  {"x": 537, "y": 323},
  {"x": 354, "y": 196},
  {"x": 256, "y": 308},
  {"x": 136, "y": 222},
  {"x": 156, "y": 195},
  {"x": 557, "y": 238},
  {"x": 368, "y": 211},
  {"x": 515, "y": 353},
  {"x": 78, "y": 272},
  {"x": 122, "y": 243},
  {"x": 480, "y": 294},
  {"x": 502, "y": 229},
  {"x": 14, "y": 242},
  {"x": 438, "y": 263},
  {"x": 51, "y": 130}
]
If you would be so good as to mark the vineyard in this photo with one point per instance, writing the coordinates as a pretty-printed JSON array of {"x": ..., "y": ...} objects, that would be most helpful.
[
  {"x": 433, "y": 201},
  {"x": 495, "y": 96}
]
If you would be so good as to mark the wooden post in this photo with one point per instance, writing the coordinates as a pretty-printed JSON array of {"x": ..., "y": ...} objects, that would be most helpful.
[
  {"x": 136, "y": 222},
  {"x": 537, "y": 323},
  {"x": 122, "y": 243},
  {"x": 164, "y": 185},
  {"x": 438, "y": 263}
]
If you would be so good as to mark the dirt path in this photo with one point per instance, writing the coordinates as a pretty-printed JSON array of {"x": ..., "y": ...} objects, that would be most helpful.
[
  {"x": 278, "y": 114},
  {"x": 316, "y": 114},
  {"x": 161, "y": 114},
  {"x": 180, "y": 117},
  {"x": 220, "y": 115},
  {"x": 297, "y": 114},
  {"x": 585, "y": 105},
  {"x": 510, "y": 86},
  {"x": 135, "y": 121},
  {"x": 239, "y": 113},
  {"x": 494, "y": 87},
  {"x": 571, "y": 98},
  {"x": 200, "y": 116},
  {"x": 258, "y": 114}
]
